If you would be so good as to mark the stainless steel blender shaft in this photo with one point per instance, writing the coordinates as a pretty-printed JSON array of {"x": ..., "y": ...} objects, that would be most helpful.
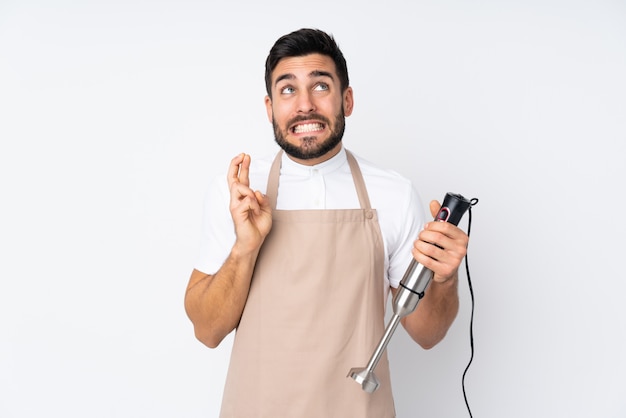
[
  {"x": 365, "y": 376},
  {"x": 409, "y": 293}
]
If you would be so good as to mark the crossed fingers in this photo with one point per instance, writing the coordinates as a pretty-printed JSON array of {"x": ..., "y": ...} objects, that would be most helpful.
[
  {"x": 239, "y": 170},
  {"x": 243, "y": 200}
]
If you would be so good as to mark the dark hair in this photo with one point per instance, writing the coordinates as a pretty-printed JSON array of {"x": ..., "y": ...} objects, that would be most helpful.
[{"x": 304, "y": 42}]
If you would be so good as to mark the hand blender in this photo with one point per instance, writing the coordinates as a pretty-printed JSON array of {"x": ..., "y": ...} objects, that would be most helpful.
[{"x": 410, "y": 291}]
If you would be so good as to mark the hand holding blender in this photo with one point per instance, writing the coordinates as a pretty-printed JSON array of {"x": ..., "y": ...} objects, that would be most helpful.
[{"x": 411, "y": 290}]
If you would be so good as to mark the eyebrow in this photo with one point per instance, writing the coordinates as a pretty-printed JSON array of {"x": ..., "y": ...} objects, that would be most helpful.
[{"x": 314, "y": 73}]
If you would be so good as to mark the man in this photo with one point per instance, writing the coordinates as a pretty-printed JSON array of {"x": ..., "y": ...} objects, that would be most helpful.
[{"x": 302, "y": 263}]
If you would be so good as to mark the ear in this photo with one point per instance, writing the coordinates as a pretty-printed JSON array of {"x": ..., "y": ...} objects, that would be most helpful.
[
  {"x": 268, "y": 108},
  {"x": 348, "y": 101}
]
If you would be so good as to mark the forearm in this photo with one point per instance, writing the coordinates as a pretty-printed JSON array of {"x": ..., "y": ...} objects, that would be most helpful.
[
  {"x": 434, "y": 315},
  {"x": 214, "y": 303}
]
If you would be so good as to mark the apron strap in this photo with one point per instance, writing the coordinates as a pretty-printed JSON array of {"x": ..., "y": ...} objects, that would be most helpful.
[
  {"x": 357, "y": 177},
  {"x": 359, "y": 183},
  {"x": 272, "y": 180}
]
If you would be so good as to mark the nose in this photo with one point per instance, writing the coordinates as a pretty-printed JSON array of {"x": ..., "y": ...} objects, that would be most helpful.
[{"x": 305, "y": 102}]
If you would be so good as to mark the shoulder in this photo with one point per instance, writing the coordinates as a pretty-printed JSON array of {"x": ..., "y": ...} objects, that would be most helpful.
[
  {"x": 261, "y": 164},
  {"x": 380, "y": 177},
  {"x": 393, "y": 194},
  {"x": 259, "y": 171}
]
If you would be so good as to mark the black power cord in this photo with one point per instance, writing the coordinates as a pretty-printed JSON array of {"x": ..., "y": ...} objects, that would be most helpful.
[{"x": 471, "y": 327}]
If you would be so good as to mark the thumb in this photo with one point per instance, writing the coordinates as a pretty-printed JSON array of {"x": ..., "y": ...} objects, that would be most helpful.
[
  {"x": 263, "y": 200},
  {"x": 434, "y": 207}
]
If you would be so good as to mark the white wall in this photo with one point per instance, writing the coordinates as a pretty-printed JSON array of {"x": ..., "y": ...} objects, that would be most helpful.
[{"x": 115, "y": 114}]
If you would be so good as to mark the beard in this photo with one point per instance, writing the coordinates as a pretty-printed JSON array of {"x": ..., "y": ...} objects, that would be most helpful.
[{"x": 310, "y": 148}]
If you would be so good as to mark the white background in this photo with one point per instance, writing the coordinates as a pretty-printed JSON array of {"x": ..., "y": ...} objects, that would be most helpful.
[{"x": 114, "y": 115}]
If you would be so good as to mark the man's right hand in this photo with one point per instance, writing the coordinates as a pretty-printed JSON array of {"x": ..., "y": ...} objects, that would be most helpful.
[
  {"x": 215, "y": 302},
  {"x": 250, "y": 210}
]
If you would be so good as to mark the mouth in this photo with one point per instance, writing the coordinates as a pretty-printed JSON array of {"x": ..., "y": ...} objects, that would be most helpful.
[{"x": 306, "y": 128}]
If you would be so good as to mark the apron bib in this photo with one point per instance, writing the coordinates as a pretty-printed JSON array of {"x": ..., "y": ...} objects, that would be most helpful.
[{"x": 315, "y": 310}]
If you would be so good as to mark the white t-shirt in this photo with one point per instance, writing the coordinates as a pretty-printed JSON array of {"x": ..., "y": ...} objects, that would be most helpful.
[{"x": 328, "y": 185}]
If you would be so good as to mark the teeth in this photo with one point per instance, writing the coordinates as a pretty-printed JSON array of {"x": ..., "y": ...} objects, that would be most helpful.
[{"x": 308, "y": 127}]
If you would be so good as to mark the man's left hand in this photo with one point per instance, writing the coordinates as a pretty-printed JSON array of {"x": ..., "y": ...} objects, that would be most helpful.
[{"x": 440, "y": 247}]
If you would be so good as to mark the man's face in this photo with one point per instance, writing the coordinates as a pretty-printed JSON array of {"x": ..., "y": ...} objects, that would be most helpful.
[{"x": 307, "y": 107}]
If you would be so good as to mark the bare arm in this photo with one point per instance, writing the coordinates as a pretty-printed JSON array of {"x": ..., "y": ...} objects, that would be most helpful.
[
  {"x": 434, "y": 315},
  {"x": 214, "y": 303}
]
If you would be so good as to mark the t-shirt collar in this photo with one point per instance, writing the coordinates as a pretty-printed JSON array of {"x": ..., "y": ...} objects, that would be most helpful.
[{"x": 290, "y": 167}]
